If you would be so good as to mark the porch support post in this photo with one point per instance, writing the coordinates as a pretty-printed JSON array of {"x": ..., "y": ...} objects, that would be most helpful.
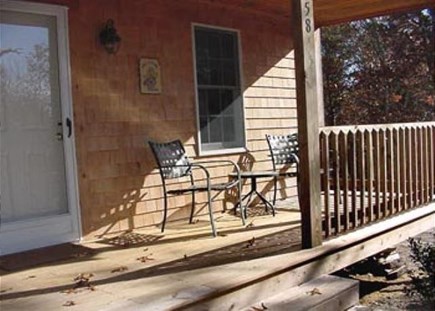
[
  {"x": 319, "y": 75},
  {"x": 308, "y": 121}
]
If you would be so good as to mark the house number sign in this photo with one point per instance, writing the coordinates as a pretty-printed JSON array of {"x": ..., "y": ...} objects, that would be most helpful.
[{"x": 307, "y": 6}]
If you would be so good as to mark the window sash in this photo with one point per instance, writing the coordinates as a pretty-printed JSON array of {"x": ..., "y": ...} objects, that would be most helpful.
[{"x": 220, "y": 107}]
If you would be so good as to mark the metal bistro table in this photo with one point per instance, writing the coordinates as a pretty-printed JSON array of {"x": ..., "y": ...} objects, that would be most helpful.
[{"x": 253, "y": 176}]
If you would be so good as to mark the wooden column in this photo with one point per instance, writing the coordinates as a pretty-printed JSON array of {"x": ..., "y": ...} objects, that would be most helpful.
[
  {"x": 319, "y": 77},
  {"x": 308, "y": 121}
]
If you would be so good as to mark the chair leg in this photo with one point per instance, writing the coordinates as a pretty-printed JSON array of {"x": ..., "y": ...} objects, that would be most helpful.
[
  {"x": 165, "y": 211},
  {"x": 192, "y": 210},
  {"x": 275, "y": 183},
  {"x": 242, "y": 210},
  {"x": 210, "y": 212},
  {"x": 298, "y": 188}
]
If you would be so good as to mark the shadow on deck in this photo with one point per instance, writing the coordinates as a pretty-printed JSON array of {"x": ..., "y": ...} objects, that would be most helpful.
[{"x": 185, "y": 265}]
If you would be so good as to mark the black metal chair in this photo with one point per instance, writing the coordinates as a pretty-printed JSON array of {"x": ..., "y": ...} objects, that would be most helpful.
[
  {"x": 284, "y": 153},
  {"x": 174, "y": 163}
]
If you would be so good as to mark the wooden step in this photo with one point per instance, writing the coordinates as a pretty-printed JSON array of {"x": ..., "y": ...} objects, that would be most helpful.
[{"x": 326, "y": 293}]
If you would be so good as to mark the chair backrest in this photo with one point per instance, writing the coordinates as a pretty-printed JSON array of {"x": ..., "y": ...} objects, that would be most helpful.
[
  {"x": 171, "y": 159},
  {"x": 283, "y": 149}
]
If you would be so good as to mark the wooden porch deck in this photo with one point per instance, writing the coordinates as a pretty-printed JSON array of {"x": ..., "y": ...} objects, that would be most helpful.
[
  {"x": 28, "y": 278},
  {"x": 185, "y": 246},
  {"x": 180, "y": 238},
  {"x": 185, "y": 266}
]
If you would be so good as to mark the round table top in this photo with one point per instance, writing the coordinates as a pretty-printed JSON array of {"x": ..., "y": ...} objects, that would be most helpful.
[{"x": 255, "y": 174}]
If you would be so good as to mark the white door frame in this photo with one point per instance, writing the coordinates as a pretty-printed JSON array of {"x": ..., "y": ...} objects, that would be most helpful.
[{"x": 71, "y": 180}]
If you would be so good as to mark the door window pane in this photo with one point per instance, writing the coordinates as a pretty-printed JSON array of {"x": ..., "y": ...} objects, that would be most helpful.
[{"x": 32, "y": 159}]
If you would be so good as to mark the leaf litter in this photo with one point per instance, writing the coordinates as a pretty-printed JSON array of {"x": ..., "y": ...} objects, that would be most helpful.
[
  {"x": 119, "y": 269},
  {"x": 69, "y": 303},
  {"x": 83, "y": 280}
]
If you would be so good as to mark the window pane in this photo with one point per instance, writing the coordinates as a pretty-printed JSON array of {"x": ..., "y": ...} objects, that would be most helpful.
[
  {"x": 229, "y": 129},
  {"x": 201, "y": 45},
  {"x": 229, "y": 73},
  {"x": 219, "y": 94},
  {"x": 215, "y": 129},
  {"x": 228, "y": 46},
  {"x": 214, "y": 45},
  {"x": 214, "y": 106},
  {"x": 203, "y": 102},
  {"x": 203, "y": 123},
  {"x": 227, "y": 100},
  {"x": 215, "y": 69},
  {"x": 203, "y": 72}
]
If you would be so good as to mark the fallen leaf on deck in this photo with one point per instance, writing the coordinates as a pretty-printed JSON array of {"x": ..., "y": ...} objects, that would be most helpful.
[
  {"x": 250, "y": 225},
  {"x": 31, "y": 277},
  {"x": 119, "y": 269},
  {"x": 69, "y": 291},
  {"x": 251, "y": 243},
  {"x": 5, "y": 290},
  {"x": 315, "y": 291},
  {"x": 83, "y": 280},
  {"x": 145, "y": 249},
  {"x": 69, "y": 303},
  {"x": 145, "y": 258},
  {"x": 261, "y": 308}
]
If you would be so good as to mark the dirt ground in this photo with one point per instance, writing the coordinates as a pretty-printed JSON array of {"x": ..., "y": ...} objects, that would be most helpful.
[{"x": 379, "y": 294}]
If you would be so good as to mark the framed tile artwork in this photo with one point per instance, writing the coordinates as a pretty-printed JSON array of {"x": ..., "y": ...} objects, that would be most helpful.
[{"x": 150, "y": 77}]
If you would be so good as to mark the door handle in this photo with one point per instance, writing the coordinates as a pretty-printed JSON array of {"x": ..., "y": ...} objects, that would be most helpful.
[{"x": 69, "y": 126}]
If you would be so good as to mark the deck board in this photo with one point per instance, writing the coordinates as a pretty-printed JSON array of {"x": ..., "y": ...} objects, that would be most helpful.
[{"x": 186, "y": 265}]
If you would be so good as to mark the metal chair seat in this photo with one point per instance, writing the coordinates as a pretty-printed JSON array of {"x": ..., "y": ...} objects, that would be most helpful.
[
  {"x": 173, "y": 163},
  {"x": 203, "y": 187}
]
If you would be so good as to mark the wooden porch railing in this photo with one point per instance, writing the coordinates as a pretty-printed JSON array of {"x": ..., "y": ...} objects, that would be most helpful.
[{"x": 375, "y": 171}]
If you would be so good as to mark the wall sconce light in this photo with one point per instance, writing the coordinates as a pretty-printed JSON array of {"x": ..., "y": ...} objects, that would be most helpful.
[{"x": 109, "y": 37}]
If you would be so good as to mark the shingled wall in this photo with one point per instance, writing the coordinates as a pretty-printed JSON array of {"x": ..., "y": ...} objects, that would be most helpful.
[{"x": 119, "y": 186}]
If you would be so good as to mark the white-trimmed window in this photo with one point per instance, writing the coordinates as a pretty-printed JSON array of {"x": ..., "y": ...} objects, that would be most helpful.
[{"x": 218, "y": 89}]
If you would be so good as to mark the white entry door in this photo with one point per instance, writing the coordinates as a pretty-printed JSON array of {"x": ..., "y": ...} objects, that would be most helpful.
[{"x": 38, "y": 188}]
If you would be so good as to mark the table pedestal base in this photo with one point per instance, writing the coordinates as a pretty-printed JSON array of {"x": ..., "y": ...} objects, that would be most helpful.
[{"x": 253, "y": 191}]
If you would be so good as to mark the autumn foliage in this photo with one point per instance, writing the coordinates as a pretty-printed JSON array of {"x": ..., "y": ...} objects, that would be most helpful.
[{"x": 380, "y": 70}]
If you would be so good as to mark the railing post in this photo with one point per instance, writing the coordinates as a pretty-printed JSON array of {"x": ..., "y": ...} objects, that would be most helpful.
[
  {"x": 382, "y": 169},
  {"x": 308, "y": 121}
]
